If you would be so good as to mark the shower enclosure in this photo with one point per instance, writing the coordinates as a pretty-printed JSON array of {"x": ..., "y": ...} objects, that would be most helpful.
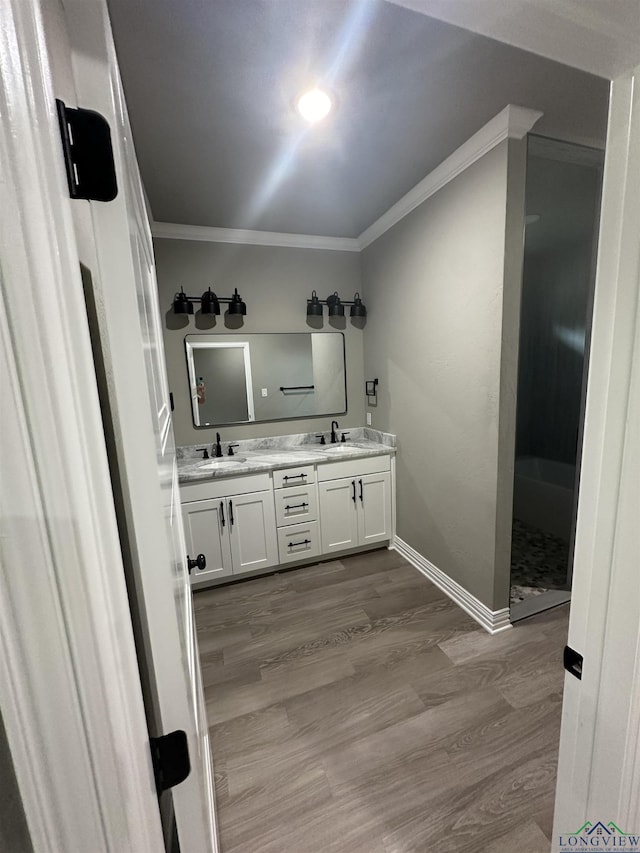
[{"x": 562, "y": 203}]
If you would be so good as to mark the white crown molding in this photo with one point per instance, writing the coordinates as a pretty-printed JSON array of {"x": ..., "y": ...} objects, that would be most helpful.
[
  {"x": 246, "y": 237},
  {"x": 512, "y": 122},
  {"x": 492, "y": 621}
]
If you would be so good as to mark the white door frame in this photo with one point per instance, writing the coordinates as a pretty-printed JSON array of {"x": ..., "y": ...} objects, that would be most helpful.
[
  {"x": 71, "y": 696},
  {"x": 191, "y": 346},
  {"x": 599, "y": 763}
]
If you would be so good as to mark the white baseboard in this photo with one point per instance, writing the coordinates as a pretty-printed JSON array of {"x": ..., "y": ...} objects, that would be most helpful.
[{"x": 492, "y": 621}]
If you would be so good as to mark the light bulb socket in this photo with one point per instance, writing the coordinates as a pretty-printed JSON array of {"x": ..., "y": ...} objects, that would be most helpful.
[
  {"x": 182, "y": 304},
  {"x": 209, "y": 303}
]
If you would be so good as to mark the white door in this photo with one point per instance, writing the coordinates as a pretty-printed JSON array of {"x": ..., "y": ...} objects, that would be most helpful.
[
  {"x": 207, "y": 532},
  {"x": 116, "y": 252},
  {"x": 338, "y": 514},
  {"x": 599, "y": 763},
  {"x": 252, "y": 526},
  {"x": 374, "y": 508}
]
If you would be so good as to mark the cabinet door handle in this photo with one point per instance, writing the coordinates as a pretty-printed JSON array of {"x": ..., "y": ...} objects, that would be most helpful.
[
  {"x": 353, "y": 486},
  {"x": 231, "y": 512},
  {"x": 361, "y": 495},
  {"x": 222, "y": 521}
]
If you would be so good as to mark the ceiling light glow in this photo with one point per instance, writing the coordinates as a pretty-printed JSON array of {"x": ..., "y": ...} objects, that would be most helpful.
[{"x": 314, "y": 105}]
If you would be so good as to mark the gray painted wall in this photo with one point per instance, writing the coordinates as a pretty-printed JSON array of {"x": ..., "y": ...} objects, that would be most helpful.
[
  {"x": 435, "y": 289},
  {"x": 275, "y": 283}
]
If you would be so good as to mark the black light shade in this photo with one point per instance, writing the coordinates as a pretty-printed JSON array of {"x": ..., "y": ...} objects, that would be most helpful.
[
  {"x": 209, "y": 303},
  {"x": 358, "y": 309},
  {"x": 314, "y": 308},
  {"x": 336, "y": 308},
  {"x": 237, "y": 306},
  {"x": 181, "y": 303}
]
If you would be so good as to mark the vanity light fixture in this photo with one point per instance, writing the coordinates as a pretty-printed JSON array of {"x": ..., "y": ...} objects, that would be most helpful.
[
  {"x": 336, "y": 308},
  {"x": 335, "y": 305},
  {"x": 314, "y": 306},
  {"x": 182, "y": 304},
  {"x": 358, "y": 309},
  {"x": 237, "y": 306},
  {"x": 209, "y": 303}
]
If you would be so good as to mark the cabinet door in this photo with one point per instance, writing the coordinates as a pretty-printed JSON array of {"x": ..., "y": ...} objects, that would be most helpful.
[
  {"x": 252, "y": 524},
  {"x": 374, "y": 507},
  {"x": 207, "y": 532},
  {"x": 338, "y": 515}
]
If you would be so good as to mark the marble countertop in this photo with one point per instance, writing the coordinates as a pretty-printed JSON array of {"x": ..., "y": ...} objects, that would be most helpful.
[{"x": 257, "y": 455}]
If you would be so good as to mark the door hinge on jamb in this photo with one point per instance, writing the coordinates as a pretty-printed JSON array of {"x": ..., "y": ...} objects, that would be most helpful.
[
  {"x": 170, "y": 758},
  {"x": 88, "y": 154}
]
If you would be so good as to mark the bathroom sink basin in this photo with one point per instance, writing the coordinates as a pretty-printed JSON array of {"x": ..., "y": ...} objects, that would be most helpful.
[
  {"x": 224, "y": 463},
  {"x": 338, "y": 448}
]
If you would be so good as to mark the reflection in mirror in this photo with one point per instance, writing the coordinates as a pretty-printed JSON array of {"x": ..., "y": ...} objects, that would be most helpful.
[
  {"x": 265, "y": 377},
  {"x": 220, "y": 382}
]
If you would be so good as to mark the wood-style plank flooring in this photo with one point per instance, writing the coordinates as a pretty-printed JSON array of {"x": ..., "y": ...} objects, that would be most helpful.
[{"x": 354, "y": 708}]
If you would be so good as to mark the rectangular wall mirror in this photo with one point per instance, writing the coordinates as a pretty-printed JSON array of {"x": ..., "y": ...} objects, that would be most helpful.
[{"x": 265, "y": 377}]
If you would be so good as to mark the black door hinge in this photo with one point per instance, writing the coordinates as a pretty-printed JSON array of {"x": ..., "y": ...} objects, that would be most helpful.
[
  {"x": 88, "y": 154},
  {"x": 170, "y": 757},
  {"x": 573, "y": 662}
]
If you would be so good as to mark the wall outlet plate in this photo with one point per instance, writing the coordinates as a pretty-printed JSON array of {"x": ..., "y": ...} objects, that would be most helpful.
[
  {"x": 368, "y": 418},
  {"x": 264, "y": 392}
]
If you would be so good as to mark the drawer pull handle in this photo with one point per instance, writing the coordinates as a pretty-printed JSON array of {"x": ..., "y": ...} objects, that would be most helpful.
[
  {"x": 296, "y": 506},
  {"x": 293, "y": 476},
  {"x": 304, "y": 542}
]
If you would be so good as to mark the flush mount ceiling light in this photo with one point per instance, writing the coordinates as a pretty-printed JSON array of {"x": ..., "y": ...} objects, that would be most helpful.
[{"x": 314, "y": 105}]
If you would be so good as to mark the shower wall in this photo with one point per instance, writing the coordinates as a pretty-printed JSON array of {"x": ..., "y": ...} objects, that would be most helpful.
[{"x": 562, "y": 198}]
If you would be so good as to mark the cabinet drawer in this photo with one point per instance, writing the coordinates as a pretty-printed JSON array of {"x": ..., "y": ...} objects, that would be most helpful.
[
  {"x": 354, "y": 467},
  {"x": 296, "y": 504},
  {"x": 223, "y": 487},
  {"x": 298, "y": 541},
  {"x": 294, "y": 477}
]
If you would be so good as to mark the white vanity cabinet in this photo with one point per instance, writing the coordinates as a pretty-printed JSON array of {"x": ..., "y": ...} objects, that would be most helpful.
[
  {"x": 355, "y": 503},
  {"x": 253, "y": 522},
  {"x": 231, "y": 522}
]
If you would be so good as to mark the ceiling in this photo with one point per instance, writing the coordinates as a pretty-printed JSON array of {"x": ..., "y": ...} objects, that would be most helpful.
[
  {"x": 600, "y": 37},
  {"x": 210, "y": 86}
]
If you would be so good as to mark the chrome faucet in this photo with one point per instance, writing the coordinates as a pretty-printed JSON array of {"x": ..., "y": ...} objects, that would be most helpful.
[
  {"x": 334, "y": 435},
  {"x": 217, "y": 446}
]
